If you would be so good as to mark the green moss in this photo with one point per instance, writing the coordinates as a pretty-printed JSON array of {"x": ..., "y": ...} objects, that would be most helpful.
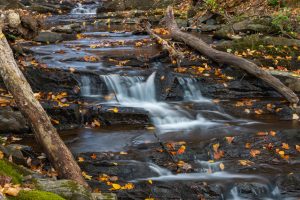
[
  {"x": 7, "y": 169},
  {"x": 36, "y": 195}
]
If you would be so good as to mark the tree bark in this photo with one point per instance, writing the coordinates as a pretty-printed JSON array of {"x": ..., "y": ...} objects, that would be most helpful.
[
  {"x": 226, "y": 58},
  {"x": 46, "y": 135}
]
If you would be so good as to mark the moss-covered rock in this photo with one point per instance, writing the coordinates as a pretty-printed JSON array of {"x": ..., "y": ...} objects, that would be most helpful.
[
  {"x": 36, "y": 195},
  {"x": 7, "y": 169},
  {"x": 65, "y": 188}
]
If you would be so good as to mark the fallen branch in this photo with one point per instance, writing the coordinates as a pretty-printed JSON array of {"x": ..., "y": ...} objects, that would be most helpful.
[
  {"x": 174, "y": 55},
  {"x": 46, "y": 135},
  {"x": 226, "y": 58}
]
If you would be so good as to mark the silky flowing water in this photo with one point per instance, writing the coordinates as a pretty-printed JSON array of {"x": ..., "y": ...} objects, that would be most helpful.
[{"x": 193, "y": 119}]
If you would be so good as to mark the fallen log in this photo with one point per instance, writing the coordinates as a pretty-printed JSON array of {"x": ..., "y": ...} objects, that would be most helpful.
[
  {"x": 226, "y": 58},
  {"x": 46, "y": 135},
  {"x": 174, "y": 55}
]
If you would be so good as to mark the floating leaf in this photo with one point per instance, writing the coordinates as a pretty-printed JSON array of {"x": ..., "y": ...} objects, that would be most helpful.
[{"x": 222, "y": 166}]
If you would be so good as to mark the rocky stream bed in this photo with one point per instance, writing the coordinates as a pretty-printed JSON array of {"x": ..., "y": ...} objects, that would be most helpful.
[{"x": 161, "y": 131}]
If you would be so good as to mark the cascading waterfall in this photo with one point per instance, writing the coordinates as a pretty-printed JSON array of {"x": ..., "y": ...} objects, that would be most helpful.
[
  {"x": 138, "y": 92},
  {"x": 89, "y": 9},
  {"x": 191, "y": 91}
]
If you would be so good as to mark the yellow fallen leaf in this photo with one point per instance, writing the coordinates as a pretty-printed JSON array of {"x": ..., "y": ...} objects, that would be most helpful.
[
  {"x": 80, "y": 159},
  {"x": 116, "y": 186},
  {"x": 216, "y": 147},
  {"x": 86, "y": 176},
  {"x": 222, "y": 166},
  {"x": 150, "y": 181}
]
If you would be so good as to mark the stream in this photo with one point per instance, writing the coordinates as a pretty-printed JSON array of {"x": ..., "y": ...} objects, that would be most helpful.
[{"x": 194, "y": 120}]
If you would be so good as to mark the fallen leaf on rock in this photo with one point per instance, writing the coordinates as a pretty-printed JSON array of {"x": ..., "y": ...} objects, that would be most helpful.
[
  {"x": 86, "y": 176},
  {"x": 229, "y": 139},
  {"x": 245, "y": 162},
  {"x": 254, "y": 152},
  {"x": 285, "y": 146},
  {"x": 181, "y": 150},
  {"x": 298, "y": 148}
]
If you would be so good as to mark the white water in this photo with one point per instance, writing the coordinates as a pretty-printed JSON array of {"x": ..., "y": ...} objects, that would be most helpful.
[
  {"x": 191, "y": 90},
  {"x": 141, "y": 93},
  {"x": 85, "y": 88},
  {"x": 85, "y": 9}
]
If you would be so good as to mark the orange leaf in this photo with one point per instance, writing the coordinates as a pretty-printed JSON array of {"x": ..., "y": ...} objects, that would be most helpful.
[
  {"x": 285, "y": 146},
  {"x": 254, "y": 152},
  {"x": 181, "y": 150},
  {"x": 229, "y": 139}
]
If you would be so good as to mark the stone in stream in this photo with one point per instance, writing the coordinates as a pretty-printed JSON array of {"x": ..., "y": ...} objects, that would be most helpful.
[
  {"x": 52, "y": 37},
  {"x": 70, "y": 28},
  {"x": 12, "y": 121}
]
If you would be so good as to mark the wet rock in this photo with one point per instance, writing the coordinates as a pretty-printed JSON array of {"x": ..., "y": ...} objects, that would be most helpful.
[
  {"x": 64, "y": 188},
  {"x": 51, "y": 80},
  {"x": 52, "y": 37},
  {"x": 209, "y": 28},
  {"x": 18, "y": 153},
  {"x": 43, "y": 8},
  {"x": 12, "y": 121},
  {"x": 70, "y": 28},
  {"x": 49, "y": 37}
]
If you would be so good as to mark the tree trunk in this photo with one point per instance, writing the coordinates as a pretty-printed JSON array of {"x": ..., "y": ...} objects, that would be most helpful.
[
  {"x": 226, "y": 58},
  {"x": 46, "y": 135}
]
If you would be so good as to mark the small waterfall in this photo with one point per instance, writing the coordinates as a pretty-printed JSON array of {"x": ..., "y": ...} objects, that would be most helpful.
[
  {"x": 191, "y": 91},
  {"x": 159, "y": 170},
  {"x": 85, "y": 88},
  {"x": 89, "y": 9},
  {"x": 140, "y": 92}
]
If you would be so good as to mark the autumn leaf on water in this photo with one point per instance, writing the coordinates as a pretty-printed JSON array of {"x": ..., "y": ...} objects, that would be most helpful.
[
  {"x": 222, "y": 166},
  {"x": 115, "y": 110},
  {"x": 80, "y": 159}
]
